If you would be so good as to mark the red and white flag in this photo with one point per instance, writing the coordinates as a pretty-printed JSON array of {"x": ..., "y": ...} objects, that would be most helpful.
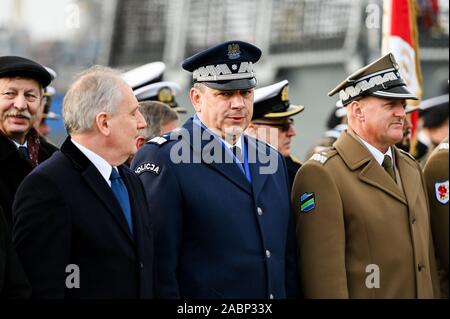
[{"x": 400, "y": 37}]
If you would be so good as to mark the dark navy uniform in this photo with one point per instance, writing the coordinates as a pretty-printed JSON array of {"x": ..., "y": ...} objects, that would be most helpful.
[{"x": 217, "y": 234}]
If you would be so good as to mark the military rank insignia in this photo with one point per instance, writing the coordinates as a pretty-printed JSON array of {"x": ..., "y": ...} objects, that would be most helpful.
[
  {"x": 441, "y": 191},
  {"x": 307, "y": 201}
]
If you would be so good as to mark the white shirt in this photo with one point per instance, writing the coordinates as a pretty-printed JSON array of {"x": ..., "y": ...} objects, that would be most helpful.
[
  {"x": 228, "y": 145},
  {"x": 237, "y": 144},
  {"x": 379, "y": 157},
  {"x": 18, "y": 145},
  {"x": 103, "y": 166}
]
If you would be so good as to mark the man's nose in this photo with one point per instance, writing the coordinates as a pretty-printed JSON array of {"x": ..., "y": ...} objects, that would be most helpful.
[
  {"x": 237, "y": 101},
  {"x": 400, "y": 111},
  {"x": 20, "y": 102},
  {"x": 141, "y": 123},
  {"x": 292, "y": 131}
]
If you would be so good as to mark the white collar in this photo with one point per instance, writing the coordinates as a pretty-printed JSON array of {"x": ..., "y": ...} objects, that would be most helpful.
[
  {"x": 238, "y": 143},
  {"x": 379, "y": 157},
  {"x": 103, "y": 166},
  {"x": 228, "y": 145},
  {"x": 18, "y": 145}
]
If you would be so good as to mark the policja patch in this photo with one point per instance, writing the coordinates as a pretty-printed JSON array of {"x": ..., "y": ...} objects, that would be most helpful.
[
  {"x": 147, "y": 167},
  {"x": 441, "y": 191},
  {"x": 307, "y": 201}
]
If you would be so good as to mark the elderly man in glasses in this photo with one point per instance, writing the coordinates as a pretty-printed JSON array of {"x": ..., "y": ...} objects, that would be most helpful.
[{"x": 273, "y": 123}]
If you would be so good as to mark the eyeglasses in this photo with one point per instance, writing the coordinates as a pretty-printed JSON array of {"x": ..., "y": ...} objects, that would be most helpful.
[{"x": 284, "y": 127}]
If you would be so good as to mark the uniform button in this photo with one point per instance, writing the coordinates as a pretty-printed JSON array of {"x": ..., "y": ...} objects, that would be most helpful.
[
  {"x": 420, "y": 267},
  {"x": 413, "y": 220},
  {"x": 271, "y": 296},
  {"x": 268, "y": 253},
  {"x": 259, "y": 210},
  {"x": 142, "y": 265}
]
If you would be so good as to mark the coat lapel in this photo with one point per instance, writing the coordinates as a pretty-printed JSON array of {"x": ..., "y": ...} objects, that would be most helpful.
[
  {"x": 259, "y": 177},
  {"x": 97, "y": 183},
  {"x": 210, "y": 147},
  {"x": 409, "y": 176},
  {"x": 356, "y": 156}
]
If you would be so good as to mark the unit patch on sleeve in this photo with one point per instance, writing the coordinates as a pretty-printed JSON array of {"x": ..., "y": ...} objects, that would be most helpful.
[
  {"x": 441, "y": 191},
  {"x": 148, "y": 167},
  {"x": 307, "y": 201}
]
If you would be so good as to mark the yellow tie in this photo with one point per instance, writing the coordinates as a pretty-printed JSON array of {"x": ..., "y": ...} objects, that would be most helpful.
[{"x": 387, "y": 164}]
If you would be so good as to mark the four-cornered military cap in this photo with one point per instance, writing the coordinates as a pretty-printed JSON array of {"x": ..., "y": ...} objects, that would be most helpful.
[
  {"x": 227, "y": 66},
  {"x": 380, "y": 78},
  {"x": 164, "y": 92},
  {"x": 145, "y": 74},
  {"x": 12, "y": 66},
  {"x": 272, "y": 102}
]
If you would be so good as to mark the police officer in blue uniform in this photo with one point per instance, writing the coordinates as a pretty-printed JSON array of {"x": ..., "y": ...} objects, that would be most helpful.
[{"x": 223, "y": 220}]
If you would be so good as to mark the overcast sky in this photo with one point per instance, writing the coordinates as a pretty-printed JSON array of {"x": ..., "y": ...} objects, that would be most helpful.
[{"x": 44, "y": 19}]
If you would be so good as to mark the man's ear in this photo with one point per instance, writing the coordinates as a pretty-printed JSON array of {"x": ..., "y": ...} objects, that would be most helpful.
[
  {"x": 196, "y": 99},
  {"x": 356, "y": 110},
  {"x": 140, "y": 141},
  {"x": 101, "y": 122}
]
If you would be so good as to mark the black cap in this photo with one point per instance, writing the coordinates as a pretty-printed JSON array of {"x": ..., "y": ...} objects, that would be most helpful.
[
  {"x": 434, "y": 111},
  {"x": 12, "y": 66},
  {"x": 163, "y": 92},
  {"x": 272, "y": 102},
  {"x": 227, "y": 66}
]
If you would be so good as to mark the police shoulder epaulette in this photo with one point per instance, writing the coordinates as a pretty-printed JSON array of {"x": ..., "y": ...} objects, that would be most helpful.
[
  {"x": 160, "y": 140},
  {"x": 323, "y": 156},
  {"x": 443, "y": 146},
  {"x": 407, "y": 154}
]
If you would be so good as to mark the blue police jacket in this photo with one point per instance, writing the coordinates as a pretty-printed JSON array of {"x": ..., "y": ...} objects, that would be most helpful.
[{"x": 217, "y": 235}]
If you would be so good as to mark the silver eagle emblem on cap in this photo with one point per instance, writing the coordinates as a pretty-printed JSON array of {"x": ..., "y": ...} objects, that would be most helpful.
[{"x": 233, "y": 51}]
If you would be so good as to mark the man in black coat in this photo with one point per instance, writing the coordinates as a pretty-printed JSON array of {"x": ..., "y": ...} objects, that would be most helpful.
[
  {"x": 13, "y": 282},
  {"x": 21, "y": 148},
  {"x": 87, "y": 233}
]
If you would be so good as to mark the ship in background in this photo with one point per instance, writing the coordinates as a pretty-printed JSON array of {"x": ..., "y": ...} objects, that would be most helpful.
[{"x": 312, "y": 43}]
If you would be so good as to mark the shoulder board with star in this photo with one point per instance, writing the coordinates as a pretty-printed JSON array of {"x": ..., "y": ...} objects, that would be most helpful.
[
  {"x": 159, "y": 140},
  {"x": 443, "y": 146},
  {"x": 323, "y": 156}
]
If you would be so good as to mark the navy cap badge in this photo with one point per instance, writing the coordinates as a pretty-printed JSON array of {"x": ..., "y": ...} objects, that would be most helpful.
[
  {"x": 284, "y": 94},
  {"x": 165, "y": 95}
]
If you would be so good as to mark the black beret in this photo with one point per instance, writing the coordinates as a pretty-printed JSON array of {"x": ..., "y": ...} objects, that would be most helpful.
[{"x": 12, "y": 66}]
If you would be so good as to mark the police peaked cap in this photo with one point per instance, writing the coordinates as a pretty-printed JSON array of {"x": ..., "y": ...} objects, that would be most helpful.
[{"x": 227, "y": 66}]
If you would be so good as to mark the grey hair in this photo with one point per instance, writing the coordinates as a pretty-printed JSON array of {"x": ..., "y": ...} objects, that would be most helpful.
[
  {"x": 95, "y": 90},
  {"x": 155, "y": 114}
]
